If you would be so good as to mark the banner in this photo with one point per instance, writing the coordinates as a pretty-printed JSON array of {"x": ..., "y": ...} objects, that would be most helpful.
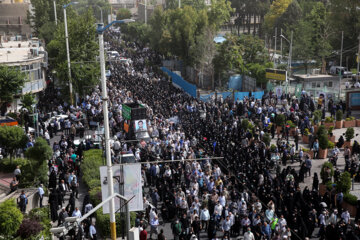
[{"x": 132, "y": 186}]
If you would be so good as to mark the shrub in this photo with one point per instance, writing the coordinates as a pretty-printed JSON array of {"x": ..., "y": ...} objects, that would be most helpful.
[
  {"x": 323, "y": 141},
  {"x": 95, "y": 195},
  {"x": 349, "y": 134},
  {"x": 321, "y": 131},
  {"x": 273, "y": 148},
  {"x": 93, "y": 159},
  {"x": 344, "y": 183},
  {"x": 339, "y": 115},
  {"x": 103, "y": 222},
  {"x": 329, "y": 185},
  {"x": 280, "y": 120},
  {"x": 306, "y": 132},
  {"x": 7, "y": 165},
  {"x": 317, "y": 116},
  {"x": 327, "y": 172},
  {"x": 351, "y": 199},
  {"x": 245, "y": 124},
  {"x": 331, "y": 145},
  {"x": 93, "y": 183},
  {"x": 329, "y": 120},
  {"x": 347, "y": 119},
  {"x": 330, "y": 130},
  {"x": 10, "y": 218},
  {"x": 29, "y": 228},
  {"x": 42, "y": 215},
  {"x": 290, "y": 123},
  {"x": 267, "y": 139}
]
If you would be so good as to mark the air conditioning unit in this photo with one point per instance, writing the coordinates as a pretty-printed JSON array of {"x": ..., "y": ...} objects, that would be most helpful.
[{"x": 316, "y": 71}]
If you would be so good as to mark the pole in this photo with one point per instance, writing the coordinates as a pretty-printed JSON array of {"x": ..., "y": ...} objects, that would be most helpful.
[
  {"x": 358, "y": 62},
  {"x": 275, "y": 45},
  {"x": 107, "y": 136},
  {"x": 179, "y": 3},
  {"x": 128, "y": 226},
  {"x": 342, "y": 43},
  {"x": 281, "y": 43},
  {"x": 68, "y": 58},
  {"x": 145, "y": 11},
  {"x": 55, "y": 14}
]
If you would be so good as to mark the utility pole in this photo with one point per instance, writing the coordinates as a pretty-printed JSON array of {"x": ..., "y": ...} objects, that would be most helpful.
[
  {"x": 281, "y": 43},
  {"x": 107, "y": 133},
  {"x": 342, "y": 43},
  {"x": 358, "y": 62},
  {"x": 145, "y": 11},
  {"x": 68, "y": 56},
  {"x": 275, "y": 45}
]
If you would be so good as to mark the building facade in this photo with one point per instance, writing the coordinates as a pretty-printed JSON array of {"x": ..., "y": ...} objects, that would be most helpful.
[{"x": 30, "y": 58}]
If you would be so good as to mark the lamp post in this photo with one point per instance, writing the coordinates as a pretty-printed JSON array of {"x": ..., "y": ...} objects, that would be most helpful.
[
  {"x": 101, "y": 13},
  {"x": 100, "y": 30},
  {"x": 67, "y": 51},
  {"x": 55, "y": 14},
  {"x": 289, "y": 58}
]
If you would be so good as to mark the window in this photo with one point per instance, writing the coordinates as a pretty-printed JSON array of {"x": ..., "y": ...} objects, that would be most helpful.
[
  {"x": 330, "y": 84},
  {"x": 313, "y": 85}
]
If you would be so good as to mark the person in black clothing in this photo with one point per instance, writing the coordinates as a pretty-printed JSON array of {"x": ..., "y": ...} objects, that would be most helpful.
[
  {"x": 71, "y": 205},
  {"x": 196, "y": 227},
  {"x": 185, "y": 224},
  {"x": 54, "y": 203}
]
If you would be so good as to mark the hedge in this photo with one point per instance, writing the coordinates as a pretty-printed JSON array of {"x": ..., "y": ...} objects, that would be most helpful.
[
  {"x": 351, "y": 199},
  {"x": 93, "y": 159},
  {"x": 103, "y": 222},
  {"x": 7, "y": 166}
]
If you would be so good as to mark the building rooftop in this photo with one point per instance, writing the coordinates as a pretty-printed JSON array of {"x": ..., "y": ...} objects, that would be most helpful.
[{"x": 16, "y": 52}]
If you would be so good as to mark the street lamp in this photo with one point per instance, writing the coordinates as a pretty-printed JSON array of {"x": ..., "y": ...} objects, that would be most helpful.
[
  {"x": 101, "y": 13},
  {"x": 289, "y": 58},
  {"x": 55, "y": 14},
  {"x": 67, "y": 50},
  {"x": 100, "y": 30}
]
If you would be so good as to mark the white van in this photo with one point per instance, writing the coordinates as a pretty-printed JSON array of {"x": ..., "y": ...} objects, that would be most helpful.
[{"x": 335, "y": 70}]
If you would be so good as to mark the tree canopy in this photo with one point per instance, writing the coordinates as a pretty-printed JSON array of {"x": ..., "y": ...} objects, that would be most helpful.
[
  {"x": 83, "y": 51},
  {"x": 11, "y": 82}
]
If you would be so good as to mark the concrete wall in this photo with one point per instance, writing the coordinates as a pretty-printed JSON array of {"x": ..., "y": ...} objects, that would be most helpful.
[{"x": 12, "y": 19}]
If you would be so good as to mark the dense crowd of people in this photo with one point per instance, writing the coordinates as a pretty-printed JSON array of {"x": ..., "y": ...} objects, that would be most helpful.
[{"x": 244, "y": 192}]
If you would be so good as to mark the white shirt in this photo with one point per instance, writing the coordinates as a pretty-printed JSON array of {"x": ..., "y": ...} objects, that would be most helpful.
[
  {"x": 249, "y": 236},
  {"x": 76, "y": 214},
  {"x": 346, "y": 216}
]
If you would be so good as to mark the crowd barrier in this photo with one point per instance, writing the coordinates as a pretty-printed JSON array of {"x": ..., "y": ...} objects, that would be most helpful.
[{"x": 180, "y": 82}]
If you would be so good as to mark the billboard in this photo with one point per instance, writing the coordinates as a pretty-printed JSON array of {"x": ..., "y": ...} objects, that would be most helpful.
[
  {"x": 140, "y": 125},
  {"x": 131, "y": 180},
  {"x": 275, "y": 74}
]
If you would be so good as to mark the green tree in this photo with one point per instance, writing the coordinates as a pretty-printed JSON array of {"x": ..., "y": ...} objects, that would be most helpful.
[
  {"x": 322, "y": 31},
  {"x": 123, "y": 13},
  {"x": 344, "y": 15},
  {"x": 27, "y": 100},
  {"x": 290, "y": 17},
  {"x": 83, "y": 51},
  {"x": 344, "y": 183},
  {"x": 277, "y": 8},
  {"x": 11, "y": 82},
  {"x": 12, "y": 138},
  {"x": 42, "y": 13},
  {"x": 38, "y": 154},
  {"x": 220, "y": 11},
  {"x": 10, "y": 218}
]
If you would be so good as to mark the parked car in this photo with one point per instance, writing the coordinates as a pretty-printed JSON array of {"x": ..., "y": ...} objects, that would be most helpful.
[{"x": 336, "y": 70}]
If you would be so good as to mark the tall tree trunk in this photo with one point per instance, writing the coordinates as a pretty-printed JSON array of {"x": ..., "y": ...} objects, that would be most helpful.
[
  {"x": 248, "y": 22},
  {"x": 254, "y": 32}
]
